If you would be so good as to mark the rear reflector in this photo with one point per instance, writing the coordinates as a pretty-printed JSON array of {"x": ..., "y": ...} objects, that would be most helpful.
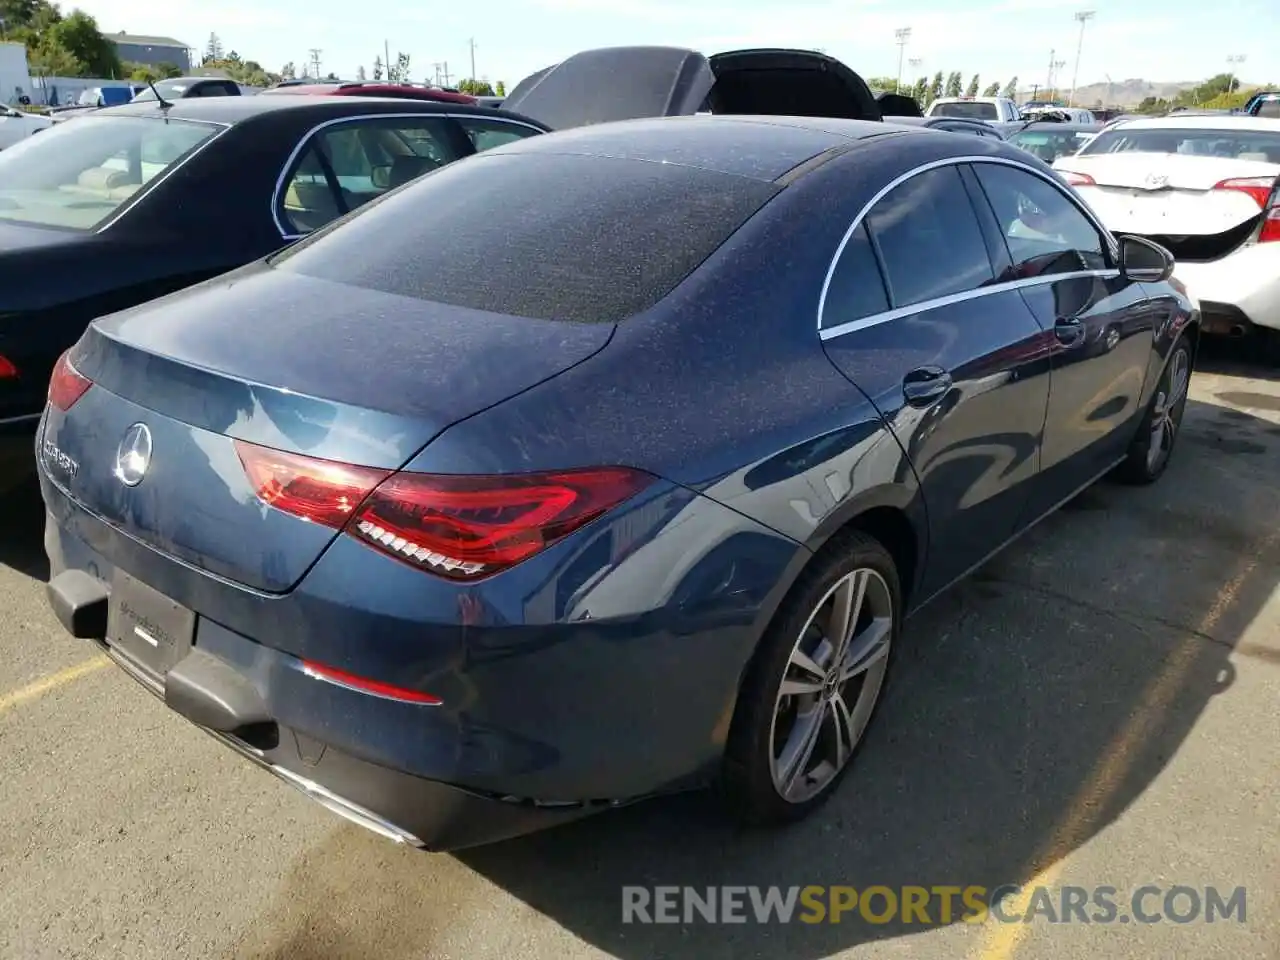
[
  {"x": 67, "y": 384},
  {"x": 8, "y": 369},
  {"x": 350, "y": 681},
  {"x": 458, "y": 527},
  {"x": 1259, "y": 188},
  {"x": 1077, "y": 179},
  {"x": 464, "y": 528},
  {"x": 322, "y": 491}
]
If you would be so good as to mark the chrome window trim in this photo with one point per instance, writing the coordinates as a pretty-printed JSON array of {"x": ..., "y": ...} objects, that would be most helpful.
[
  {"x": 356, "y": 118},
  {"x": 863, "y": 322},
  {"x": 136, "y": 200},
  {"x": 876, "y": 319}
]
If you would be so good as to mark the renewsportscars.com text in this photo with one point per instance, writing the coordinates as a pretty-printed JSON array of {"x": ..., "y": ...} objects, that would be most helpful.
[{"x": 928, "y": 906}]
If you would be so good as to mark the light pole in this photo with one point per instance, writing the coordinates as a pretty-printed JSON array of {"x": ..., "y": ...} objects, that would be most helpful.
[
  {"x": 1233, "y": 62},
  {"x": 1083, "y": 16},
  {"x": 901, "y": 36}
]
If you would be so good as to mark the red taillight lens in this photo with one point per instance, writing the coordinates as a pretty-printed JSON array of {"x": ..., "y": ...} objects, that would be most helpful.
[
  {"x": 1259, "y": 188},
  {"x": 464, "y": 528},
  {"x": 1078, "y": 179},
  {"x": 8, "y": 369},
  {"x": 375, "y": 688},
  {"x": 1270, "y": 232},
  {"x": 322, "y": 491},
  {"x": 67, "y": 384}
]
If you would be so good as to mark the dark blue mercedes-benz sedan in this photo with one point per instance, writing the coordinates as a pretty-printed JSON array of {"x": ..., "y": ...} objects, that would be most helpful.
[{"x": 600, "y": 465}]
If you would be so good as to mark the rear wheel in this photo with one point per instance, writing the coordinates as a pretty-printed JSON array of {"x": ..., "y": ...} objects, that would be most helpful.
[
  {"x": 1152, "y": 448},
  {"x": 814, "y": 685}
]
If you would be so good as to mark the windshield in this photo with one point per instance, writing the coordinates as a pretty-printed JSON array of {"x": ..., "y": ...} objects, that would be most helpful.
[
  {"x": 972, "y": 109},
  {"x": 1049, "y": 145},
  {"x": 76, "y": 175},
  {"x": 1261, "y": 145},
  {"x": 553, "y": 237}
]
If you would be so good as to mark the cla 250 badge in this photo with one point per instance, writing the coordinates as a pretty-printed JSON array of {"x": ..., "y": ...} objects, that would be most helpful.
[{"x": 56, "y": 458}]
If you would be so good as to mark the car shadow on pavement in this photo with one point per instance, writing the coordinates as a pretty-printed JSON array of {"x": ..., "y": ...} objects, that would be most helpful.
[
  {"x": 1032, "y": 704},
  {"x": 22, "y": 530}
]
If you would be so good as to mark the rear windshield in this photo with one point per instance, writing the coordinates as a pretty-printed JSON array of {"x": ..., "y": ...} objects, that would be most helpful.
[
  {"x": 1233, "y": 144},
  {"x": 77, "y": 174},
  {"x": 972, "y": 109},
  {"x": 554, "y": 237}
]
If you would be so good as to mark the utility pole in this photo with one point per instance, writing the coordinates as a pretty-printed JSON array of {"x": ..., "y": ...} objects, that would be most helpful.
[
  {"x": 1083, "y": 17},
  {"x": 386, "y": 59},
  {"x": 315, "y": 61},
  {"x": 472, "y": 44},
  {"x": 1048, "y": 81},
  {"x": 901, "y": 36},
  {"x": 445, "y": 72},
  {"x": 1233, "y": 62}
]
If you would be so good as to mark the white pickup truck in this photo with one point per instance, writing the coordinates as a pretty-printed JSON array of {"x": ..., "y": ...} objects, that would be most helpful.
[
  {"x": 990, "y": 109},
  {"x": 16, "y": 125}
]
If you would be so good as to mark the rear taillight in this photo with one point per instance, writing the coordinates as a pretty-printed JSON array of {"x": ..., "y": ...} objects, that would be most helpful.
[
  {"x": 464, "y": 527},
  {"x": 322, "y": 491},
  {"x": 1270, "y": 232},
  {"x": 1259, "y": 188},
  {"x": 67, "y": 384},
  {"x": 1078, "y": 179},
  {"x": 459, "y": 527},
  {"x": 8, "y": 369}
]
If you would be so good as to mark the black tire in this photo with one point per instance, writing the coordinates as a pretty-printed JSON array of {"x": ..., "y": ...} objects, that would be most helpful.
[
  {"x": 1145, "y": 463},
  {"x": 748, "y": 785}
]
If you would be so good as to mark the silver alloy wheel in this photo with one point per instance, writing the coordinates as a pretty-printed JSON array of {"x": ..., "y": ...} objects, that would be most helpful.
[
  {"x": 1164, "y": 426},
  {"x": 830, "y": 684}
]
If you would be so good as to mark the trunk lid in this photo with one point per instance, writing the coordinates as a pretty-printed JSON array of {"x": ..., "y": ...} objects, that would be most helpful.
[
  {"x": 284, "y": 361},
  {"x": 1154, "y": 194},
  {"x": 629, "y": 83}
]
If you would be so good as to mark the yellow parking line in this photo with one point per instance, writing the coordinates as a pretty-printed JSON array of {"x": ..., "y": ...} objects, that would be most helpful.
[
  {"x": 1002, "y": 939},
  {"x": 33, "y": 691}
]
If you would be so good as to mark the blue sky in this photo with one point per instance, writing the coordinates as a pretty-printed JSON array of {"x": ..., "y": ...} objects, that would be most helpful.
[{"x": 1152, "y": 39}]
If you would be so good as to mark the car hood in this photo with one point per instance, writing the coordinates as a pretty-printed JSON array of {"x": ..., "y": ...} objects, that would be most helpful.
[{"x": 630, "y": 83}]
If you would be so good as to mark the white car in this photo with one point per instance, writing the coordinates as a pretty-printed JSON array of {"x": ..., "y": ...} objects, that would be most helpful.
[
  {"x": 990, "y": 109},
  {"x": 1208, "y": 189},
  {"x": 16, "y": 125}
]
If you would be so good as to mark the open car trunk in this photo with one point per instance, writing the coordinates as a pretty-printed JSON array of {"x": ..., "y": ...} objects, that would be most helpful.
[{"x": 628, "y": 83}]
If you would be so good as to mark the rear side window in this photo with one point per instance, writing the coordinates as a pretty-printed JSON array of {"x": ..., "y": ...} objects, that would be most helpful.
[
  {"x": 585, "y": 239},
  {"x": 856, "y": 290},
  {"x": 486, "y": 134},
  {"x": 929, "y": 238}
]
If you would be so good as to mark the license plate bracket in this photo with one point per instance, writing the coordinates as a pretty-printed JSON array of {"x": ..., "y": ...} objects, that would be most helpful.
[{"x": 147, "y": 626}]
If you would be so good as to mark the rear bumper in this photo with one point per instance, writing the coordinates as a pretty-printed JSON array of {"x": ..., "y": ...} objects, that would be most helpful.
[
  {"x": 401, "y": 807},
  {"x": 1247, "y": 280}
]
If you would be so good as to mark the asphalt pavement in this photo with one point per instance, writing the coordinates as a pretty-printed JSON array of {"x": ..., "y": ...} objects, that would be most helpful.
[{"x": 1099, "y": 706}]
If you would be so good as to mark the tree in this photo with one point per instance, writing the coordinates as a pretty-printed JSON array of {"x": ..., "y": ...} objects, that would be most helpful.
[
  {"x": 919, "y": 91},
  {"x": 954, "y": 82},
  {"x": 79, "y": 36},
  {"x": 377, "y": 69},
  {"x": 1010, "y": 89},
  {"x": 477, "y": 88},
  {"x": 361, "y": 77},
  {"x": 501, "y": 88},
  {"x": 993, "y": 90},
  {"x": 972, "y": 89},
  {"x": 400, "y": 72},
  {"x": 935, "y": 88},
  {"x": 289, "y": 71},
  {"x": 213, "y": 49}
]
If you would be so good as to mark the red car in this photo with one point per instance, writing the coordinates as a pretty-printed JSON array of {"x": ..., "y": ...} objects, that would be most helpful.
[{"x": 405, "y": 91}]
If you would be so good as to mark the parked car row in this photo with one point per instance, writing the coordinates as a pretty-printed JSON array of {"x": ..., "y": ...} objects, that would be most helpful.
[{"x": 543, "y": 472}]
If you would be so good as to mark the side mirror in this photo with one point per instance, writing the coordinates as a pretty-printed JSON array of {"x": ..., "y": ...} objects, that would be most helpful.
[{"x": 1144, "y": 261}]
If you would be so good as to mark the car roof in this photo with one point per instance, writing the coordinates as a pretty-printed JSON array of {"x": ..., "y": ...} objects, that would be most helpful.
[
  {"x": 1204, "y": 122},
  {"x": 755, "y": 146},
  {"x": 233, "y": 110}
]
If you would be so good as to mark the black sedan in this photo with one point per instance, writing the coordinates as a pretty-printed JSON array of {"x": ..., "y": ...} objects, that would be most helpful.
[{"x": 140, "y": 200}]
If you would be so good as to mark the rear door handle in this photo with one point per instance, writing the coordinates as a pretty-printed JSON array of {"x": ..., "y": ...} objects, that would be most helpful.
[
  {"x": 924, "y": 385},
  {"x": 1069, "y": 331}
]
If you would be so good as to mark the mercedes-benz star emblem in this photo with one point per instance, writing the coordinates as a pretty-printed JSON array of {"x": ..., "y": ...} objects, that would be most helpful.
[{"x": 133, "y": 456}]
